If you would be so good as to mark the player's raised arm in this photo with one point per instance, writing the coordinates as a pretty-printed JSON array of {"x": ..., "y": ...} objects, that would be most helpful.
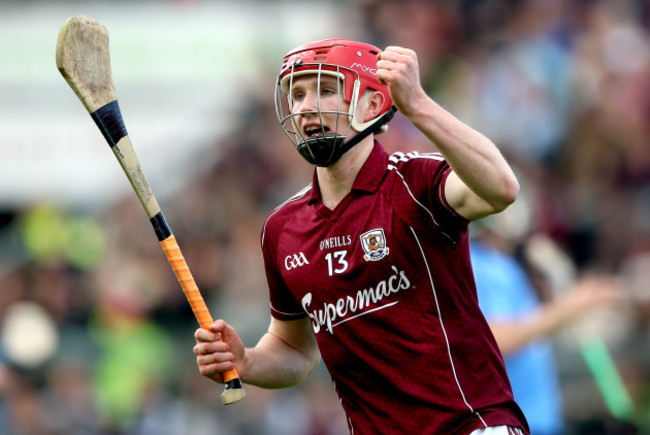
[
  {"x": 482, "y": 182},
  {"x": 285, "y": 356}
]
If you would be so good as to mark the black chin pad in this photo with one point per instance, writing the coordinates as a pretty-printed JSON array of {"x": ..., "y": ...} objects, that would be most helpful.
[
  {"x": 324, "y": 150},
  {"x": 321, "y": 150}
]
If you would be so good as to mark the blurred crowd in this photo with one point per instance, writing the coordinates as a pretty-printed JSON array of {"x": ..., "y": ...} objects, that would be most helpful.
[{"x": 96, "y": 336}]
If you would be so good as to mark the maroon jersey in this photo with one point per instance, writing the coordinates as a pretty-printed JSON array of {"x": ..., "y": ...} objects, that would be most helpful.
[{"x": 386, "y": 280}]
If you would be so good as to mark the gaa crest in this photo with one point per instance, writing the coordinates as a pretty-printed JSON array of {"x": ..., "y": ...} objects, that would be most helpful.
[{"x": 373, "y": 243}]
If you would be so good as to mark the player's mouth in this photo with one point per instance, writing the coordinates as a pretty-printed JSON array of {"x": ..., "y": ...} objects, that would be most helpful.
[{"x": 316, "y": 130}]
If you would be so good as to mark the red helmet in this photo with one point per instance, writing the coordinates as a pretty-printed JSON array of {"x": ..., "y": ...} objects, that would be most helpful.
[
  {"x": 353, "y": 62},
  {"x": 348, "y": 56}
]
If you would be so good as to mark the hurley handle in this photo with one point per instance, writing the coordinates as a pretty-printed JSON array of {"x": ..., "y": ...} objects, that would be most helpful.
[{"x": 191, "y": 290}]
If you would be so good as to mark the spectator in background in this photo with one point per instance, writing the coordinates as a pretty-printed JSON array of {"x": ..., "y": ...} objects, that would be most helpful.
[{"x": 523, "y": 319}]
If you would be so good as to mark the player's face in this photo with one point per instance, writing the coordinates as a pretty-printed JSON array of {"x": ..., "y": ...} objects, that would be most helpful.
[{"x": 318, "y": 106}]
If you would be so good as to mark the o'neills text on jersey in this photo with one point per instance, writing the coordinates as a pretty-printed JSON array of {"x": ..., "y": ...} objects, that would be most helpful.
[
  {"x": 364, "y": 302},
  {"x": 335, "y": 242}
]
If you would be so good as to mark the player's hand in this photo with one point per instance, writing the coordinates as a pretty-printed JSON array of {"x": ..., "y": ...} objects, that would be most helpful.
[
  {"x": 593, "y": 291},
  {"x": 218, "y": 349},
  {"x": 398, "y": 68}
]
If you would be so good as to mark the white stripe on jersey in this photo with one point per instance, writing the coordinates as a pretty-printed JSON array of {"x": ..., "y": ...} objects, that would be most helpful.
[
  {"x": 498, "y": 430},
  {"x": 298, "y": 195},
  {"x": 408, "y": 189},
  {"x": 401, "y": 157},
  {"x": 301, "y": 313},
  {"x": 444, "y": 331}
]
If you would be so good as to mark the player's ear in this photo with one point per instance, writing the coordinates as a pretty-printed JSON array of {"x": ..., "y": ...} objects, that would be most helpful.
[{"x": 374, "y": 103}]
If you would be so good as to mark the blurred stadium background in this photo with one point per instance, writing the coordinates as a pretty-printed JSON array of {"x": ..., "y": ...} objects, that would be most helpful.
[{"x": 95, "y": 334}]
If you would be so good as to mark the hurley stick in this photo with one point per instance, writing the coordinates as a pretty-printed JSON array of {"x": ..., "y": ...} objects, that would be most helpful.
[{"x": 83, "y": 58}]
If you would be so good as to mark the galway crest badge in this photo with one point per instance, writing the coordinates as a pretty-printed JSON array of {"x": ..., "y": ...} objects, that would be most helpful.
[{"x": 373, "y": 243}]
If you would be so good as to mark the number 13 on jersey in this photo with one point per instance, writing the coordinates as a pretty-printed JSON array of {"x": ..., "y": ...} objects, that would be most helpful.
[{"x": 336, "y": 262}]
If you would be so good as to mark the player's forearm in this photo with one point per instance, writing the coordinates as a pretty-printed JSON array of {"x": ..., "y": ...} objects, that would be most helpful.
[
  {"x": 272, "y": 363},
  {"x": 513, "y": 335},
  {"x": 472, "y": 156}
]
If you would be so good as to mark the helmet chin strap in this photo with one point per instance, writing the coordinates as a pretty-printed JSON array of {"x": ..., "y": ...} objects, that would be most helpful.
[
  {"x": 379, "y": 122},
  {"x": 326, "y": 150}
]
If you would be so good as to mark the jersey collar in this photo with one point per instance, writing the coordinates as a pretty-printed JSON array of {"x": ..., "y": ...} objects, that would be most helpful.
[{"x": 368, "y": 178}]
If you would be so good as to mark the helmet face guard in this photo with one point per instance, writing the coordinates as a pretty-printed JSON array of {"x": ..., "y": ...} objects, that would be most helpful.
[
  {"x": 324, "y": 148},
  {"x": 329, "y": 58}
]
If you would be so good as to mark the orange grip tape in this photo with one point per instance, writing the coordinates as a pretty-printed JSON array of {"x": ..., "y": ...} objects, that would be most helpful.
[
  {"x": 191, "y": 290},
  {"x": 185, "y": 279}
]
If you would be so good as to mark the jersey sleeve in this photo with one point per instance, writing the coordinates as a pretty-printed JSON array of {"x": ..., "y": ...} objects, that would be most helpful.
[
  {"x": 438, "y": 200},
  {"x": 426, "y": 175},
  {"x": 283, "y": 304}
]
